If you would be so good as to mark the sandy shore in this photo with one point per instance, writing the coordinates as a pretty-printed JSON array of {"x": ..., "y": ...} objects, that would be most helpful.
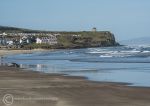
[
  {"x": 10, "y": 52},
  {"x": 39, "y": 89}
]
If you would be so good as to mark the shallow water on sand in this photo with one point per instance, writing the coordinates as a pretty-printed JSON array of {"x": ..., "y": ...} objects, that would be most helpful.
[{"x": 128, "y": 64}]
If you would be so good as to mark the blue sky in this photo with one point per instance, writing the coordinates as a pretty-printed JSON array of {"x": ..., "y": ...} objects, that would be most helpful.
[{"x": 125, "y": 18}]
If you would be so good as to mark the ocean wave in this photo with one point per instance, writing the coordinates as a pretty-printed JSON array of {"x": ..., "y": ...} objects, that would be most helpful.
[
  {"x": 125, "y": 51},
  {"x": 105, "y": 56}
]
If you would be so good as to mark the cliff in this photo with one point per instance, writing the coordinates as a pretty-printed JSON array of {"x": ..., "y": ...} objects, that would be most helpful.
[{"x": 87, "y": 39}]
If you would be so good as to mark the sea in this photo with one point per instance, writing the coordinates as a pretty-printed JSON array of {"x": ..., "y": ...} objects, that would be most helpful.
[{"x": 122, "y": 64}]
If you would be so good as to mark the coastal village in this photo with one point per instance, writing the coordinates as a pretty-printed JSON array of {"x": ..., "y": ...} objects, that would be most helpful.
[
  {"x": 10, "y": 39},
  {"x": 17, "y": 40}
]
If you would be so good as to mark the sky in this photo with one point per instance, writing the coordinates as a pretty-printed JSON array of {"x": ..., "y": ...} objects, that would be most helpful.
[{"x": 127, "y": 19}]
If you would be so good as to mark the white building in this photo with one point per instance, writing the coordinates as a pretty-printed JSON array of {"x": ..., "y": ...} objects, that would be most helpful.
[
  {"x": 38, "y": 40},
  {"x": 3, "y": 34},
  {"x": 10, "y": 42},
  {"x": 51, "y": 39},
  {"x": 94, "y": 29},
  {"x": 24, "y": 39}
]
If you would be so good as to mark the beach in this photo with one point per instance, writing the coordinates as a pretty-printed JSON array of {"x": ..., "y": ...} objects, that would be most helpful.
[
  {"x": 23, "y": 87},
  {"x": 11, "y": 52},
  {"x": 60, "y": 90}
]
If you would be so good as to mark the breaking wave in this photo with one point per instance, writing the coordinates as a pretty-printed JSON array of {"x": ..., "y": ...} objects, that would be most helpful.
[{"x": 125, "y": 51}]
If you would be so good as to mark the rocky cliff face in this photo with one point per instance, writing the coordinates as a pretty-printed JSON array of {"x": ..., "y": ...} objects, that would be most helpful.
[{"x": 87, "y": 39}]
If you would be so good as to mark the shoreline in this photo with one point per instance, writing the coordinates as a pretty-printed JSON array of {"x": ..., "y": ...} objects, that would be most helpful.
[
  {"x": 4, "y": 52},
  {"x": 68, "y": 90},
  {"x": 13, "y": 52}
]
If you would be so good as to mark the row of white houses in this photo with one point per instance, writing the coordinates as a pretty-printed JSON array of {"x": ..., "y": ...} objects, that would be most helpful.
[
  {"x": 11, "y": 39},
  {"x": 50, "y": 39},
  {"x": 32, "y": 34}
]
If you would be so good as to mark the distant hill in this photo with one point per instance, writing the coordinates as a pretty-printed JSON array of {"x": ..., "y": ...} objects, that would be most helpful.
[
  {"x": 137, "y": 41},
  {"x": 14, "y": 29},
  {"x": 8, "y": 29}
]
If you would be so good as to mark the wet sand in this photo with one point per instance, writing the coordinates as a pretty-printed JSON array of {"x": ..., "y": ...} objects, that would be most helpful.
[
  {"x": 57, "y": 90},
  {"x": 10, "y": 52}
]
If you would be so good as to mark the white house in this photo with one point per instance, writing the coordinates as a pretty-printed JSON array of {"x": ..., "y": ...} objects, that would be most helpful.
[
  {"x": 3, "y": 34},
  {"x": 38, "y": 40}
]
